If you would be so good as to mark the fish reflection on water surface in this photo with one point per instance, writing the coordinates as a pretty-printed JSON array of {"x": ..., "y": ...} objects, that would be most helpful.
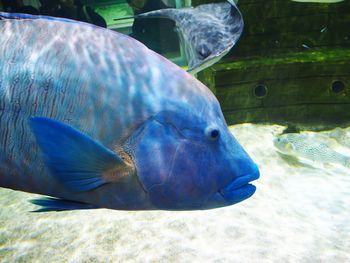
[{"x": 95, "y": 119}]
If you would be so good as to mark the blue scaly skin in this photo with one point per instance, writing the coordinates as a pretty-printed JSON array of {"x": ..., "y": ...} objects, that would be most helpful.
[{"x": 92, "y": 116}]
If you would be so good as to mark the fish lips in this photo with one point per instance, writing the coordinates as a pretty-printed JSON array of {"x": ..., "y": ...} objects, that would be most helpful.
[{"x": 240, "y": 188}]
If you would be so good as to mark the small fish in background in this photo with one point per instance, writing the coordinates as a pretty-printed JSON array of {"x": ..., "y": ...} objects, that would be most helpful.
[
  {"x": 311, "y": 146},
  {"x": 342, "y": 136},
  {"x": 207, "y": 31},
  {"x": 95, "y": 119}
]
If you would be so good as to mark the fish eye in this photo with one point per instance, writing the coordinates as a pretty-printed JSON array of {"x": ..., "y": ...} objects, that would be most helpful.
[
  {"x": 212, "y": 133},
  {"x": 203, "y": 51},
  {"x": 203, "y": 54}
]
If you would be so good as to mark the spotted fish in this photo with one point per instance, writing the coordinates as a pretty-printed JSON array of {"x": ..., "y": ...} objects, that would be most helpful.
[{"x": 314, "y": 147}]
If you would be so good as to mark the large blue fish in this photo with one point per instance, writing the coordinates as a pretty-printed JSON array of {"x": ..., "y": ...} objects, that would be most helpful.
[{"x": 95, "y": 119}]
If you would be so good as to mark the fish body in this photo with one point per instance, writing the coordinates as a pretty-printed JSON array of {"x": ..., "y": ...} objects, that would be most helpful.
[
  {"x": 208, "y": 31},
  {"x": 342, "y": 136},
  {"x": 317, "y": 148},
  {"x": 95, "y": 119}
]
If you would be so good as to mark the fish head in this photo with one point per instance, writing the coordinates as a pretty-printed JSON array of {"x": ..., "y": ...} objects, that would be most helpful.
[
  {"x": 213, "y": 36},
  {"x": 284, "y": 143},
  {"x": 206, "y": 48},
  {"x": 185, "y": 161}
]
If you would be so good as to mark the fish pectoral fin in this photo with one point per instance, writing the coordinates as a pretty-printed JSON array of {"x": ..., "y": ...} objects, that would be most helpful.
[
  {"x": 49, "y": 204},
  {"x": 75, "y": 159}
]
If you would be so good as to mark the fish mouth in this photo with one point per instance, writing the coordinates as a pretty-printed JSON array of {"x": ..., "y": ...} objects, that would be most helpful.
[{"x": 240, "y": 188}]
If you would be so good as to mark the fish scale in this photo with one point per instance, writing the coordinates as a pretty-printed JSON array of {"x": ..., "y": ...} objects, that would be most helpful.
[{"x": 47, "y": 98}]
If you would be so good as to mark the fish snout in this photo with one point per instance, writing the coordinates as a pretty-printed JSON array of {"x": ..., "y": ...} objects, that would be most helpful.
[{"x": 240, "y": 188}]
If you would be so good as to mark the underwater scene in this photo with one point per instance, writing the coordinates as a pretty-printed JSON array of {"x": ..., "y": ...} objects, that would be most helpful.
[{"x": 175, "y": 131}]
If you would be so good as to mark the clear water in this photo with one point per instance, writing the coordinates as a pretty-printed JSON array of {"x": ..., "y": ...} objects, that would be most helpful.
[{"x": 298, "y": 214}]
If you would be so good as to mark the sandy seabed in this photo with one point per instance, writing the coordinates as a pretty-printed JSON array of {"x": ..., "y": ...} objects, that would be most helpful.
[{"x": 299, "y": 213}]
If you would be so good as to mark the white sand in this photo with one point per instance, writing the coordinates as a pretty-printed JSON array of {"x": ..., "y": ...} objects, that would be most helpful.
[{"x": 299, "y": 214}]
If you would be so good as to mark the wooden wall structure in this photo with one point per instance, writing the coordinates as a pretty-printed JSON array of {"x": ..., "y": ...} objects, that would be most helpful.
[{"x": 291, "y": 65}]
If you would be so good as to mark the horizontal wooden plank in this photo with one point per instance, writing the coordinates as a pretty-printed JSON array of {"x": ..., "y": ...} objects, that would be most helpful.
[
  {"x": 239, "y": 97},
  {"x": 321, "y": 23},
  {"x": 315, "y": 90},
  {"x": 304, "y": 56},
  {"x": 259, "y": 10},
  {"x": 260, "y": 73},
  {"x": 305, "y": 91},
  {"x": 322, "y": 116},
  {"x": 282, "y": 42}
]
